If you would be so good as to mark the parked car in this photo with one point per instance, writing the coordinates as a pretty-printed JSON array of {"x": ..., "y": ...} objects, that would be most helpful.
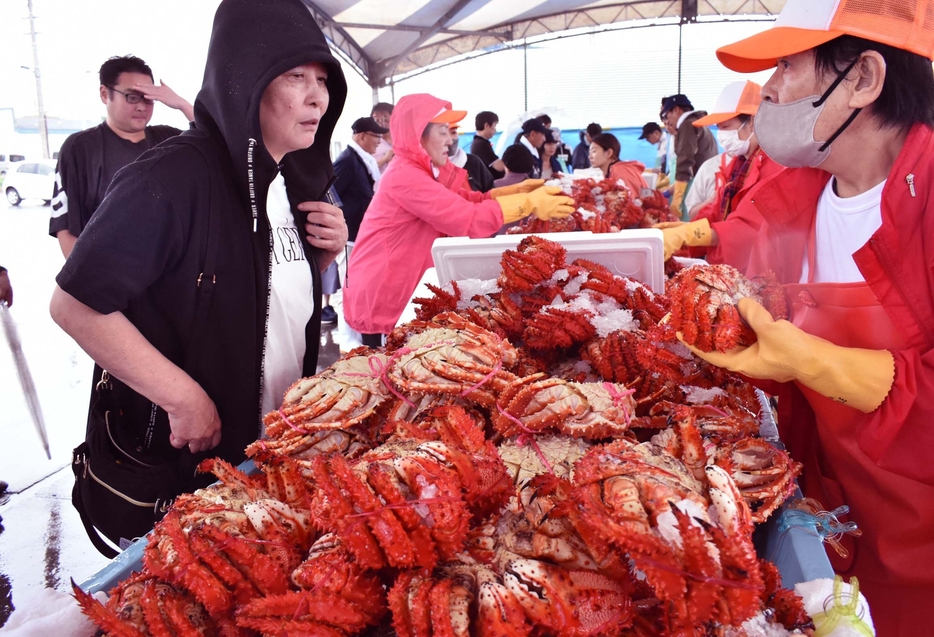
[
  {"x": 30, "y": 180},
  {"x": 6, "y": 161}
]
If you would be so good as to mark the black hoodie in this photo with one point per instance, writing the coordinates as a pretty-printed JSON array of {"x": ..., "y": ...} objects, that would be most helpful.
[{"x": 144, "y": 249}]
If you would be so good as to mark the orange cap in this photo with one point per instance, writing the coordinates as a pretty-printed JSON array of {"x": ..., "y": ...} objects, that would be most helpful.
[
  {"x": 805, "y": 24},
  {"x": 446, "y": 116},
  {"x": 738, "y": 98}
]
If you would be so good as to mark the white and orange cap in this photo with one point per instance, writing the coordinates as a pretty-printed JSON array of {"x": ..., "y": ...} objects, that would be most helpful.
[
  {"x": 805, "y": 24},
  {"x": 738, "y": 98},
  {"x": 448, "y": 116}
]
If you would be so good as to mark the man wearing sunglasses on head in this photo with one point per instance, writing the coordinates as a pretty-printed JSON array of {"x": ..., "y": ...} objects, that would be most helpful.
[{"x": 90, "y": 158}]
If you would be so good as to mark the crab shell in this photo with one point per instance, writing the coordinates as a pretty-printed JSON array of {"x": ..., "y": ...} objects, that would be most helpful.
[
  {"x": 703, "y": 301},
  {"x": 588, "y": 410},
  {"x": 346, "y": 393},
  {"x": 467, "y": 360}
]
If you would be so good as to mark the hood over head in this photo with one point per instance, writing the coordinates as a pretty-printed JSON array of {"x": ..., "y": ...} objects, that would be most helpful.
[
  {"x": 252, "y": 43},
  {"x": 409, "y": 119}
]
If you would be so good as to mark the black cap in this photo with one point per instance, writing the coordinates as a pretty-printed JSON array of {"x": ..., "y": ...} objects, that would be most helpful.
[
  {"x": 518, "y": 159},
  {"x": 368, "y": 125},
  {"x": 650, "y": 128},
  {"x": 534, "y": 124},
  {"x": 675, "y": 100}
]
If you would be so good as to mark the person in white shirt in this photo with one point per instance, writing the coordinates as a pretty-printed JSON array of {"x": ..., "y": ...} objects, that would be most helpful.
[{"x": 704, "y": 187}]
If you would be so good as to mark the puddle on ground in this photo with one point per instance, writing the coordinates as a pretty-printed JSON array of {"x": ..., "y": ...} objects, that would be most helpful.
[
  {"x": 52, "y": 567},
  {"x": 6, "y": 599},
  {"x": 6, "y": 594},
  {"x": 53, "y": 547}
]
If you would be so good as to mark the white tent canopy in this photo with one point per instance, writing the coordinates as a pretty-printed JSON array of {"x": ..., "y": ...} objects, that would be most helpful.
[{"x": 384, "y": 39}]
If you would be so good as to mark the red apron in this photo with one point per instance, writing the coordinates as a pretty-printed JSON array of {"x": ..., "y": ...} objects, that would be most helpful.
[{"x": 894, "y": 558}]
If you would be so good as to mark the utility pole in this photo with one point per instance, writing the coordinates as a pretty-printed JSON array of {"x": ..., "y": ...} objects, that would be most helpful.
[
  {"x": 43, "y": 125},
  {"x": 688, "y": 16}
]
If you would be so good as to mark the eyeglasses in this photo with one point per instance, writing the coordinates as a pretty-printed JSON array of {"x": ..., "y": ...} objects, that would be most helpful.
[{"x": 131, "y": 98}]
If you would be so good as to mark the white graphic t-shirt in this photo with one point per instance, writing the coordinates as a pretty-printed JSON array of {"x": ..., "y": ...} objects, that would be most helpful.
[{"x": 291, "y": 300}]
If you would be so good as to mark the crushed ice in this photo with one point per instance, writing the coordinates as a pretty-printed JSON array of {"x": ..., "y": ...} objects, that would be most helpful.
[
  {"x": 574, "y": 285},
  {"x": 701, "y": 395},
  {"x": 668, "y": 523}
]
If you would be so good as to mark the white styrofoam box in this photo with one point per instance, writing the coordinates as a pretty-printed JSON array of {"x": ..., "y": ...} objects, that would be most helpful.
[
  {"x": 637, "y": 254},
  {"x": 651, "y": 179}
]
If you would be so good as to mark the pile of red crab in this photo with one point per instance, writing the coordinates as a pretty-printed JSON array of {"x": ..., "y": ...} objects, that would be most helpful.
[
  {"x": 601, "y": 207},
  {"x": 535, "y": 455}
]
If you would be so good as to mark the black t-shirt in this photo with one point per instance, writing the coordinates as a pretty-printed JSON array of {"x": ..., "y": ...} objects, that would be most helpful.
[
  {"x": 87, "y": 164},
  {"x": 478, "y": 176},
  {"x": 482, "y": 148}
]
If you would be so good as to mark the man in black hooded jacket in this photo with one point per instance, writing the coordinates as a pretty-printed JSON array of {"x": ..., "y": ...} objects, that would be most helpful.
[{"x": 189, "y": 286}]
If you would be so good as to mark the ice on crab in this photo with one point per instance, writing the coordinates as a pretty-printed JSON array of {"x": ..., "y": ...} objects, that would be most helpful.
[
  {"x": 668, "y": 524},
  {"x": 471, "y": 288},
  {"x": 606, "y": 314},
  {"x": 701, "y": 395},
  {"x": 758, "y": 626},
  {"x": 574, "y": 285}
]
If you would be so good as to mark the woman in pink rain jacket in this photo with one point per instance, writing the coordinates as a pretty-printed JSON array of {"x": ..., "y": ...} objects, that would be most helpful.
[{"x": 423, "y": 197}]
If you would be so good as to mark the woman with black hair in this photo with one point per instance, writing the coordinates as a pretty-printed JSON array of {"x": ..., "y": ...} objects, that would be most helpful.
[
  {"x": 551, "y": 165},
  {"x": 604, "y": 154},
  {"x": 850, "y": 111}
]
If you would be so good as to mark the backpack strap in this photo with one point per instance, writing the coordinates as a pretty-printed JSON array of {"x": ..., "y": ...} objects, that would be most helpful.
[{"x": 79, "y": 465}]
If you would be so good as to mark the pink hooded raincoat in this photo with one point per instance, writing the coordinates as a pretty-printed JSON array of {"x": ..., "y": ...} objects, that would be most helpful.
[{"x": 410, "y": 210}]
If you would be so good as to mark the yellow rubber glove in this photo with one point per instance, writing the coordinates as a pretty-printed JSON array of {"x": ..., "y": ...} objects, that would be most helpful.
[
  {"x": 860, "y": 378},
  {"x": 663, "y": 182},
  {"x": 677, "y": 196},
  {"x": 525, "y": 186},
  {"x": 546, "y": 203},
  {"x": 678, "y": 234}
]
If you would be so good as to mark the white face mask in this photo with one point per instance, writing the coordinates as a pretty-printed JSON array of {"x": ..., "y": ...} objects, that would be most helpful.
[
  {"x": 731, "y": 143},
  {"x": 786, "y": 131}
]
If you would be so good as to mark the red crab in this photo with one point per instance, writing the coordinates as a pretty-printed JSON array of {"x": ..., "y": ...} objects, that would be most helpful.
[
  {"x": 703, "y": 305},
  {"x": 533, "y": 261}
]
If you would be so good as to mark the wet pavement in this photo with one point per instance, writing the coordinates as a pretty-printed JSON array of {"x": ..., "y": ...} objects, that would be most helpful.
[{"x": 42, "y": 542}]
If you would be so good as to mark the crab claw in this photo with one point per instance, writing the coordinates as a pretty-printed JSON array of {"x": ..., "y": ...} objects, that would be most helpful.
[
  {"x": 569, "y": 602},
  {"x": 732, "y": 510},
  {"x": 498, "y": 610}
]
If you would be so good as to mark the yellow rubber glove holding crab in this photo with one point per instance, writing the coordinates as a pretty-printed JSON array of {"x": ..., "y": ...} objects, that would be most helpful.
[
  {"x": 547, "y": 202},
  {"x": 860, "y": 378}
]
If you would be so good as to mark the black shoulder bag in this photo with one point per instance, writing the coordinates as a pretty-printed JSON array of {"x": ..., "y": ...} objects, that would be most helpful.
[{"x": 116, "y": 494}]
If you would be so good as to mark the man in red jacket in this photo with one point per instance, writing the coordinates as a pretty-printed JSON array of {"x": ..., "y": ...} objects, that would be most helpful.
[{"x": 850, "y": 110}]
